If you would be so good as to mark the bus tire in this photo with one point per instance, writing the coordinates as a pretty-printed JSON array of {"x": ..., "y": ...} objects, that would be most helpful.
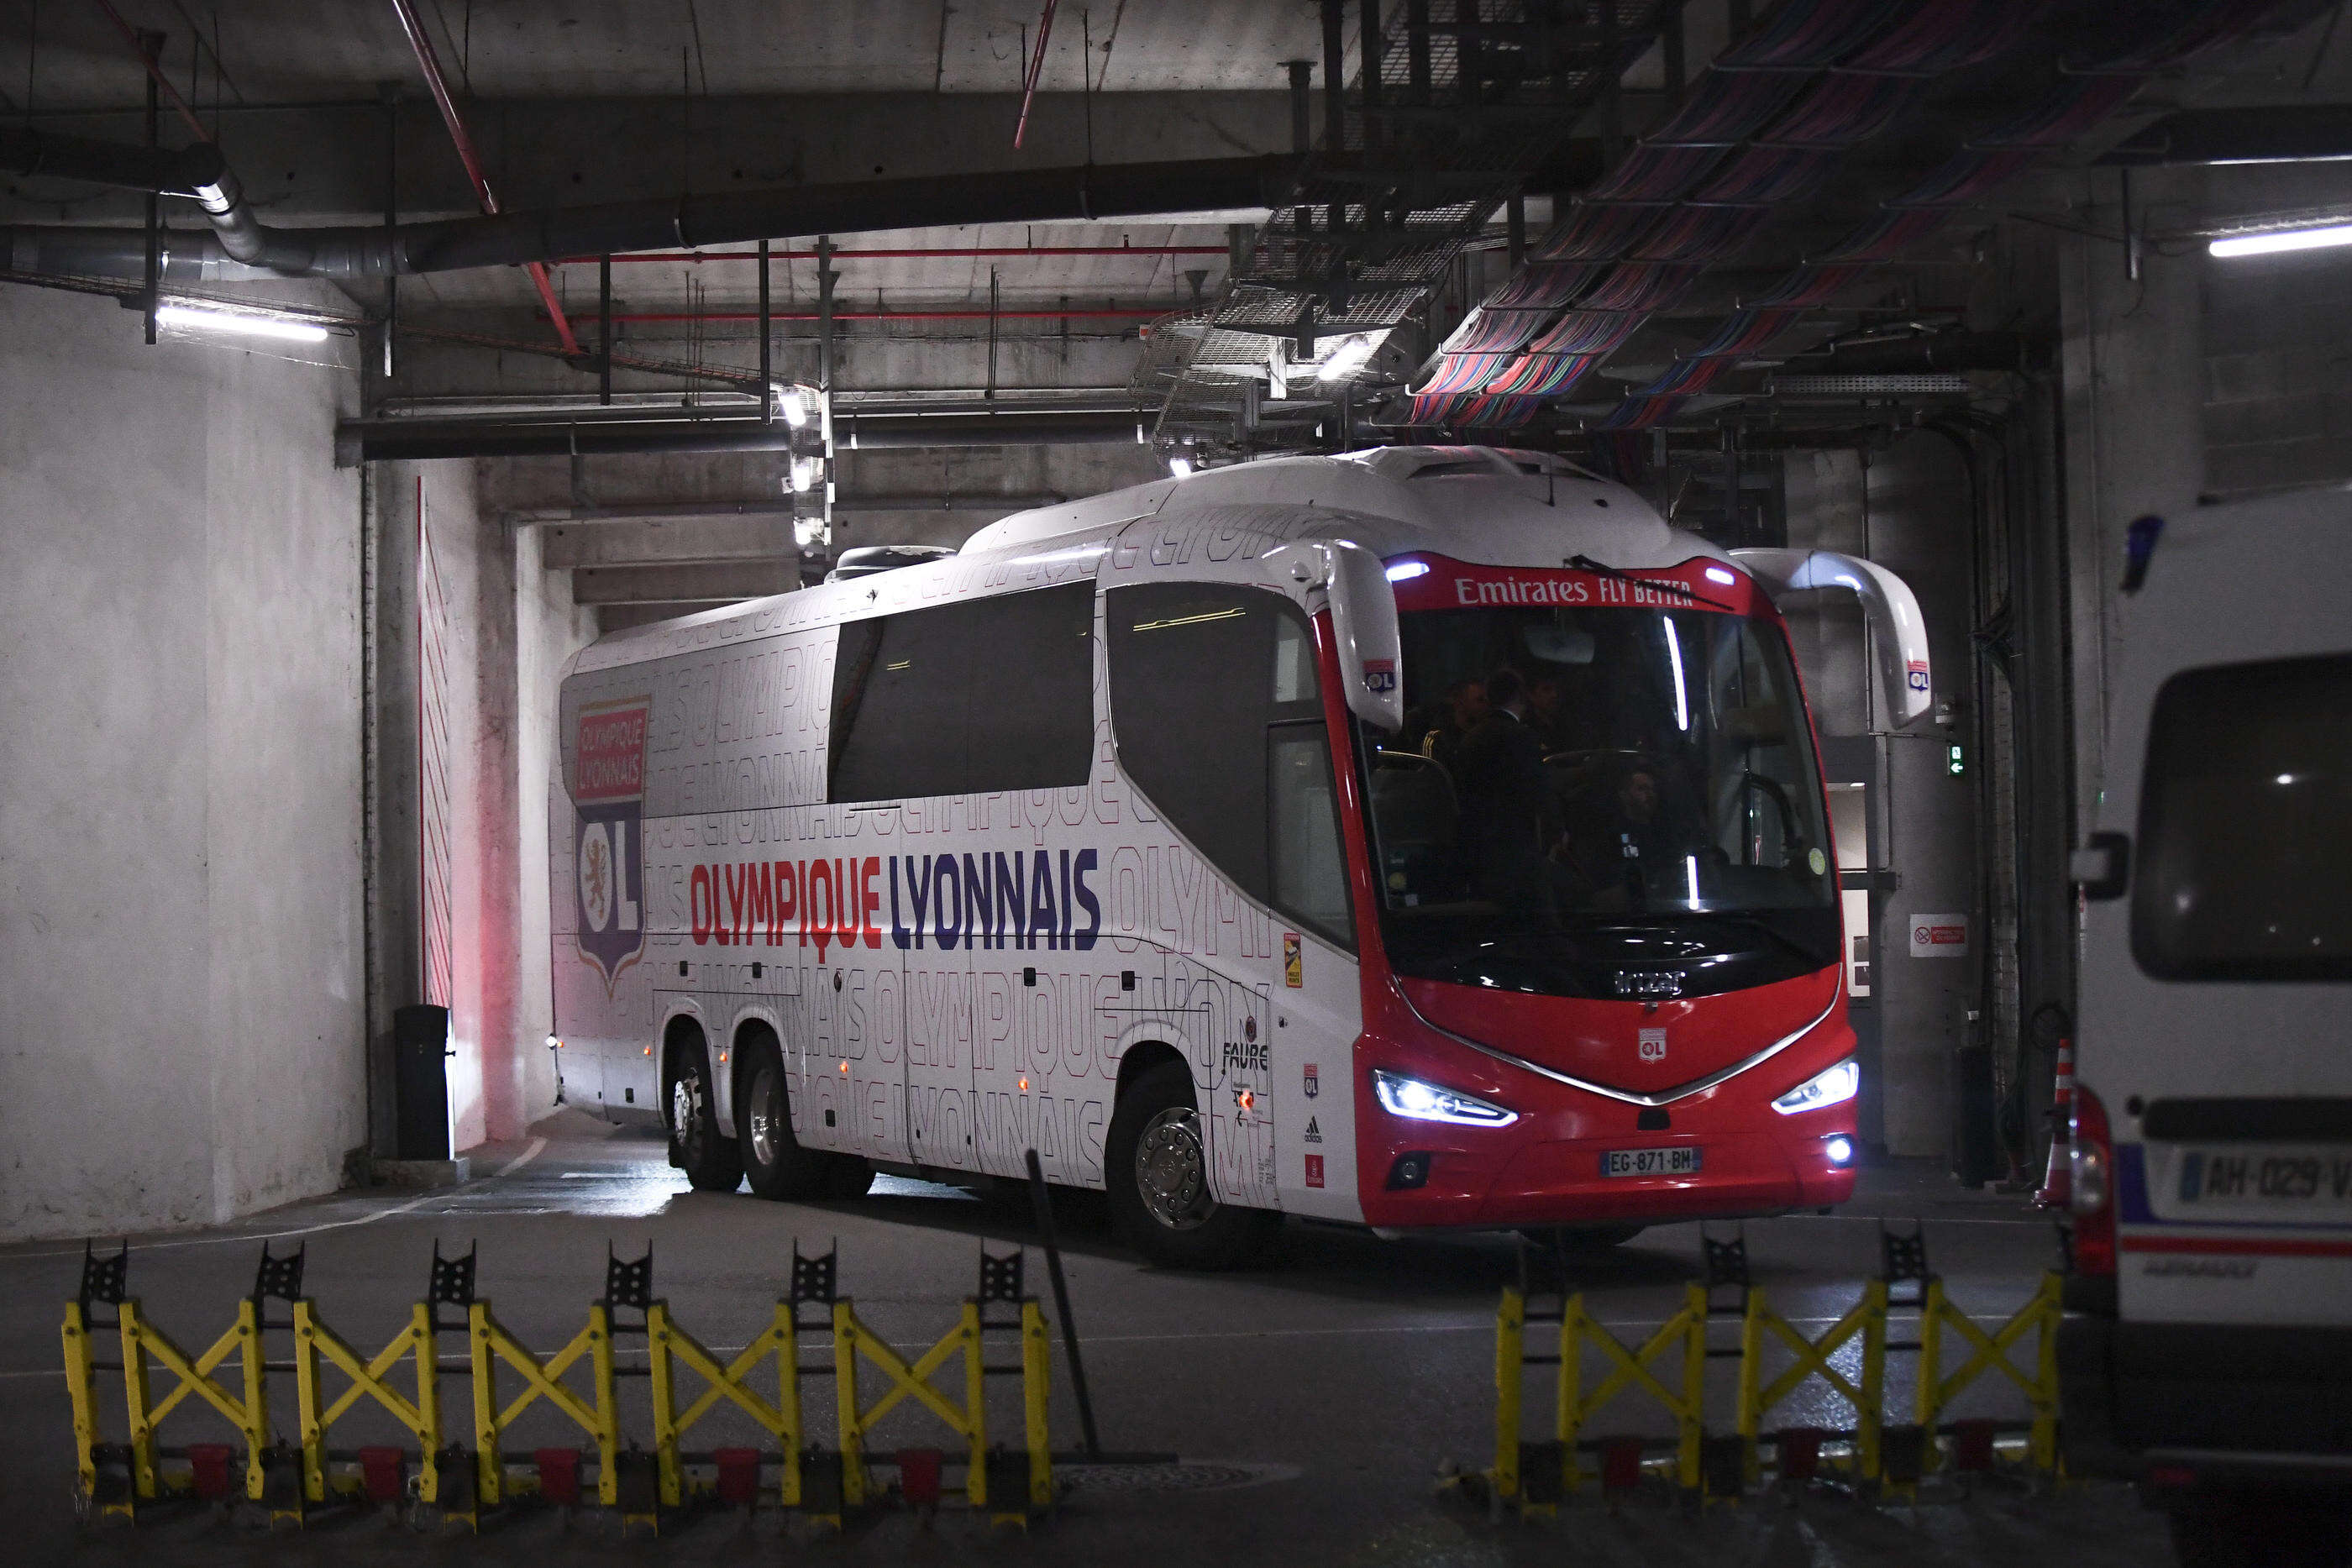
[
  {"x": 712, "y": 1163},
  {"x": 1157, "y": 1167},
  {"x": 846, "y": 1176},
  {"x": 778, "y": 1167}
]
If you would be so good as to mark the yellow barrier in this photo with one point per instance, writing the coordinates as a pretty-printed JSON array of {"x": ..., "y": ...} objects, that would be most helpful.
[
  {"x": 599, "y": 1417},
  {"x": 1867, "y": 1321},
  {"x": 1684, "y": 1333},
  {"x": 1013, "y": 1484},
  {"x": 1937, "y": 1391},
  {"x": 668, "y": 1344},
  {"x": 1774, "y": 1362},
  {"x": 422, "y": 1416}
]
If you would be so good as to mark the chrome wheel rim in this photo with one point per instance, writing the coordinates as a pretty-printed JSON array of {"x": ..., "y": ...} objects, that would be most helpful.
[
  {"x": 686, "y": 1112},
  {"x": 1171, "y": 1172},
  {"x": 767, "y": 1117}
]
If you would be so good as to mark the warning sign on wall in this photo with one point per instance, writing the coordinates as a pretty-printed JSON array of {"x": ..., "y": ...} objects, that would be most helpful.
[{"x": 1940, "y": 936}]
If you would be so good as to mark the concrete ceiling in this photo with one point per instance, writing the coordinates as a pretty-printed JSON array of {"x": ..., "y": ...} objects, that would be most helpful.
[{"x": 281, "y": 50}]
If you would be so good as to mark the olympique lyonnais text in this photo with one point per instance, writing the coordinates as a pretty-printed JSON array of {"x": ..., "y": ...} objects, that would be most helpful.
[{"x": 981, "y": 901}]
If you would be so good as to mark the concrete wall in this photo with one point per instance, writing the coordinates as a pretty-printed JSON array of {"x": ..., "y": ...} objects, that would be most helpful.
[
  {"x": 180, "y": 913},
  {"x": 509, "y": 625}
]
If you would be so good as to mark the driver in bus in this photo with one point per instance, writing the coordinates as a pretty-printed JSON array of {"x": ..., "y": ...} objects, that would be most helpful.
[{"x": 1504, "y": 801}]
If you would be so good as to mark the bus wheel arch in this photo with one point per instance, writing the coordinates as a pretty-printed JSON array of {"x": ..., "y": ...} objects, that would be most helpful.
[
  {"x": 1155, "y": 1164},
  {"x": 706, "y": 1153}
]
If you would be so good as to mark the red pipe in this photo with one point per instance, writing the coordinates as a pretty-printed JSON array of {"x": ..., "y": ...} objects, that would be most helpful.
[
  {"x": 1036, "y": 70},
  {"x": 1073, "y": 315},
  {"x": 155, "y": 69},
  {"x": 419, "y": 40},
  {"x": 911, "y": 254}
]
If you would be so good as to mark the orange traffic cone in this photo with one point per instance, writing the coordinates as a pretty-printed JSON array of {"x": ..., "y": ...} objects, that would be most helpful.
[{"x": 2058, "y": 1185}]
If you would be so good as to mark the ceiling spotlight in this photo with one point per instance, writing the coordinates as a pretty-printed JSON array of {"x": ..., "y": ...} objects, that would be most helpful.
[
  {"x": 804, "y": 473},
  {"x": 2276, "y": 240},
  {"x": 234, "y": 321}
]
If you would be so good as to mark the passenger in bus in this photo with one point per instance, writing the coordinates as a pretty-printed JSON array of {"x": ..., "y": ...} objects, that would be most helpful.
[
  {"x": 1547, "y": 711},
  {"x": 1465, "y": 707},
  {"x": 1505, "y": 801}
]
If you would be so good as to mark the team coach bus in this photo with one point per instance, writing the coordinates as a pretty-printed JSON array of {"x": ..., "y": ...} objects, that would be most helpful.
[{"x": 1429, "y": 837}]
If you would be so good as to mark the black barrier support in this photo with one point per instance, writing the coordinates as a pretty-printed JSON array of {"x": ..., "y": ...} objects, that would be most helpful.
[{"x": 1044, "y": 1204}]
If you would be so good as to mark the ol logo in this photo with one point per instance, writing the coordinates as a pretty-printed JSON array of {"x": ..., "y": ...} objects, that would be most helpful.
[
  {"x": 608, "y": 798},
  {"x": 1653, "y": 1046}
]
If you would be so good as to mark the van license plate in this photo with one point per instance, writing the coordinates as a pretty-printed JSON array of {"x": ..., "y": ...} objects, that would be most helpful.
[
  {"x": 2296, "y": 1178},
  {"x": 1650, "y": 1162}
]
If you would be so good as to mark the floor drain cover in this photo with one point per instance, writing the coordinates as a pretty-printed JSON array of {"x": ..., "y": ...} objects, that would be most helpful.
[{"x": 1176, "y": 1478}]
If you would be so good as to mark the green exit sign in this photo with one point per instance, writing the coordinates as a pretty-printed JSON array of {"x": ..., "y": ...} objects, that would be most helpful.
[{"x": 1953, "y": 763}]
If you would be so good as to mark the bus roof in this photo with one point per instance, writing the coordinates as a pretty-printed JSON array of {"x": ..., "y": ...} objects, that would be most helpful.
[{"x": 1492, "y": 506}]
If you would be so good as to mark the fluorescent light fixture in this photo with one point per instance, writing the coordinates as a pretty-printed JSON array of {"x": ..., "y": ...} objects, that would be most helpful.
[
  {"x": 2276, "y": 240},
  {"x": 1346, "y": 360},
  {"x": 235, "y": 321},
  {"x": 1182, "y": 467},
  {"x": 793, "y": 404},
  {"x": 1406, "y": 570},
  {"x": 1682, "y": 697},
  {"x": 1418, "y": 1102},
  {"x": 804, "y": 472},
  {"x": 808, "y": 532},
  {"x": 1830, "y": 1086},
  {"x": 1716, "y": 574}
]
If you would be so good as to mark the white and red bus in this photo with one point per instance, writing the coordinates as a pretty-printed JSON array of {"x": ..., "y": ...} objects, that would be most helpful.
[{"x": 1428, "y": 837}]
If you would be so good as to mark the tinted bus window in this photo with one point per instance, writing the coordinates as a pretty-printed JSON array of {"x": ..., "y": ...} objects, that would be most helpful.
[
  {"x": 1219, "y": 720},
  {"x": 2245, "y": 825},
  {"x": 987, "y": 695}
]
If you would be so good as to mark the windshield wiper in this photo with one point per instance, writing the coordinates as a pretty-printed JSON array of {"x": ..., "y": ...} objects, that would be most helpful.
[{"x": 1586, "y": 563}]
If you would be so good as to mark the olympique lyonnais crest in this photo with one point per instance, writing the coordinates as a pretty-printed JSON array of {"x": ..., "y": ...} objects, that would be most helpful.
[{"x": 609, "y": 798}]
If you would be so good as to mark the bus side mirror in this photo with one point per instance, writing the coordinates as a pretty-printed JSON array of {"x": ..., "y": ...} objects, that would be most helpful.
[
  {"x": 1898, "y": 633},
  {"x": 1363, "y": 622}
]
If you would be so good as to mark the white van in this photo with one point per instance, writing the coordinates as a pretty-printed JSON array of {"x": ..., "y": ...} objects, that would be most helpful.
[{"x": 2208, "y": 1348}]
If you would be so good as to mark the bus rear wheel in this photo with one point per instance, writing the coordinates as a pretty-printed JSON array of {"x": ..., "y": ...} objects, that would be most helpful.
[
  {"x": 1156, "y": 1158},
  {"x": 711, "y": 1163},
  {"x": 775, "y": 1161}
]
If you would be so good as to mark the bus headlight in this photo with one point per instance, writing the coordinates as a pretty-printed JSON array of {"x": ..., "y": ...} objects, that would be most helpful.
[
  {"x": 1830, "y": 1086},
  {"x": 1418, "y": 1102}
]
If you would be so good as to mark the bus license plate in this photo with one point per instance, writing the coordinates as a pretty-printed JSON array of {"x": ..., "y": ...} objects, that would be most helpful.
[{"x": 1650, "y": 1162}]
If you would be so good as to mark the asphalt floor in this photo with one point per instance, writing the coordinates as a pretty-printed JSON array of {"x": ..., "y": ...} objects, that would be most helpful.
[{"x": 1313, "y": 1405}]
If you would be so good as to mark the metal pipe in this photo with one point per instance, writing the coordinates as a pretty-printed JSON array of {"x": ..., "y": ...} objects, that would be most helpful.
[
  {"x": 767, "y": 342},
  {"x": 1107, "y": 313},
  {"x": 958, "y": 253},
  {"x": 1335, "y": 71},
  {"x": 658, "y": 511},
  {"x": 430, "y": 63},
  {"x": 172, "y": 172},
  {"x": 1302, "y": 119},
  {"x": 391, "y": 216},
  {"x": 604, "y": 330},
  {"x": 1037, "y": 69},
  {"x": 508, "y": 239},
  {"x": 151, "y": 45},
  {"x": 370, "y": 441}
]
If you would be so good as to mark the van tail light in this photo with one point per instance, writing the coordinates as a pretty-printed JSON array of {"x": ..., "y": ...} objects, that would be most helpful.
[{"x": 2093, "y": 1198}]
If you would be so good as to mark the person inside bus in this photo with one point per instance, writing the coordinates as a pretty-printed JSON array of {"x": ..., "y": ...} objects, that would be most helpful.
[
  {"x": 1505, "y": 799},
  {"x": 1547, "y": 712},
  {"x": 1464, "y": 709}
]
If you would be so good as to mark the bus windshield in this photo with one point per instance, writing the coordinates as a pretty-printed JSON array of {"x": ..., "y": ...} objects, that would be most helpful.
[{"x": 1601, "y": 802}]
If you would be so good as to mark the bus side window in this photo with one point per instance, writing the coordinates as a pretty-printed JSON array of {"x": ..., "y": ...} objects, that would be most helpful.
[
  {"x": 1218, "y": 718},
  {"x": 970, "y": 699}
]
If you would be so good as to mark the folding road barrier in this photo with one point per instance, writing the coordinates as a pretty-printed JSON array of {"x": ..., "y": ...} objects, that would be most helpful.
[
  {"x": 403, "y": 1379},
  {"x": 1776, "y": 1360}
]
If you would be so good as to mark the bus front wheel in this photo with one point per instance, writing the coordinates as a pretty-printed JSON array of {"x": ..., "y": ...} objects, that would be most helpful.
[{"x": 1157, "y": 1161}]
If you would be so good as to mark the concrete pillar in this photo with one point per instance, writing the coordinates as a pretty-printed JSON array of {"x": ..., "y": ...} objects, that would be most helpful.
[{"x": 2130, "y": 353}]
